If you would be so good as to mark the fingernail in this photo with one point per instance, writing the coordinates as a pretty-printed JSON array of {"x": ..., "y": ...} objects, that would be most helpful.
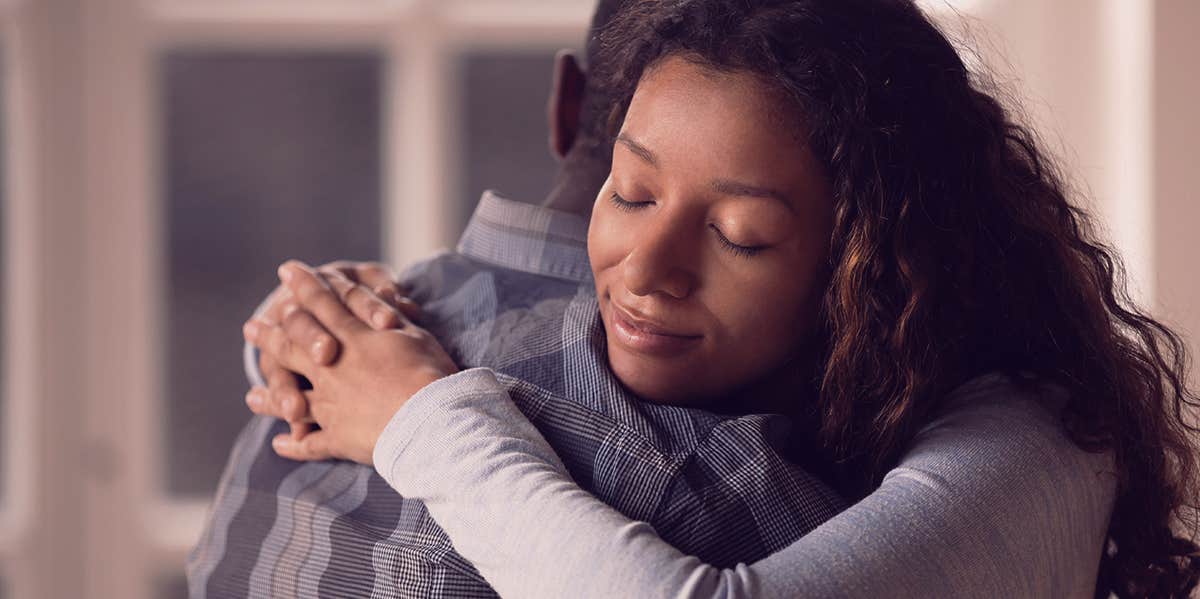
[
  {"x": 381, "y": 319},
  {"x": 251, "y": 330},
  {"x": 318, "y": 349},
  {"x": 255, "y": 399},
  {"x": 289, "y": 405},
  {"x": 281, "y": 443},
  {"x": 285, "y": 273}
]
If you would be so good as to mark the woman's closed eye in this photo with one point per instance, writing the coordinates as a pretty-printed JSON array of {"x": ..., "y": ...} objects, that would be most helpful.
[
  {"x": 623, "y": 204},
  {"x": 745, "y": 251}
]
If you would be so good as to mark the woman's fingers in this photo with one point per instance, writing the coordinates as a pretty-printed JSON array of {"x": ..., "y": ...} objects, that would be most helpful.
[
  {"x": 299, "y": 430},
  {"x": 273, "y": 340},
  {"x": 273, "y": 307},
  {"x": 258, "y": 401},
  {"x": 284, "y": 399},
  {"x": 365, "y": 305},
  {"x": 410, "y": 309},
  {"x": 313, "y": 446},
  {"x": 302, "y": 328},
  {"x": 316, "y": 297},
  {"x": 372, "y": 275},
  {"x": 380, "y": 279},
  {"x": 264, "y": 402}
]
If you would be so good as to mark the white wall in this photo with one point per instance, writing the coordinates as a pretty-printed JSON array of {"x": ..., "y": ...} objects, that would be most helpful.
[
  {"x": 1176, "y": 163},
  {"x": 1113, "y": 86}
]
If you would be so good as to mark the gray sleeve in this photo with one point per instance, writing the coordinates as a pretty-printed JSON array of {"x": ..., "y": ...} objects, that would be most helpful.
[
  {"x": 992, "y": 500},
  {"x": 250, "y": 365}
]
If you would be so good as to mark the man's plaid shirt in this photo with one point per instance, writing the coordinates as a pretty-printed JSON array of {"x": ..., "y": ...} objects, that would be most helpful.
[{"x": 517, "y": 297}]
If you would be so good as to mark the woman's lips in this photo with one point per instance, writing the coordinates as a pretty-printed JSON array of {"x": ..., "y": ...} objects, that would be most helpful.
[{"x": 646, "y": 337}]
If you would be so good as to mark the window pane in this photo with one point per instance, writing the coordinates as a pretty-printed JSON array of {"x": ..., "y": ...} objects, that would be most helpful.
[
  {"x": 268, "y": 157},
  {"x": 505, "y": 137}
]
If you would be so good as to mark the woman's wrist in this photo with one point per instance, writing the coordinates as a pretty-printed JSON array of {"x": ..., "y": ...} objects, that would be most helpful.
[{"x": 409, "y": 419}]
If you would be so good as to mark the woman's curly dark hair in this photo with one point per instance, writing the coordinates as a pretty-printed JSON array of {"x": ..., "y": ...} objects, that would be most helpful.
[{"x": 955, "y": 252}]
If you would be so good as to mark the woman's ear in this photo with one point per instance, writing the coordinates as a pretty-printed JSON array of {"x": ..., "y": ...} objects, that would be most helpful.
[{"x": 566, "y": 102}]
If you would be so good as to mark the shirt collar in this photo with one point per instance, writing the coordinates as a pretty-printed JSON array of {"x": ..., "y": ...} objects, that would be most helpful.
[{"x": 527, "y": 238}]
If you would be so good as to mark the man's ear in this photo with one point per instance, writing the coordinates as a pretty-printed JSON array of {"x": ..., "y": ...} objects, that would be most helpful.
[{"x": 566, "y": 102}]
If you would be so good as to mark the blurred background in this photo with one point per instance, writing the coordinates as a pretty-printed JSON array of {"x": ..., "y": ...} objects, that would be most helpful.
[{"x": 161, "y": 157}]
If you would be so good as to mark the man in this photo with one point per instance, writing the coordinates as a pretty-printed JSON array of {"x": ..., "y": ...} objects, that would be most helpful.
[{"x": 514, "y": 298}]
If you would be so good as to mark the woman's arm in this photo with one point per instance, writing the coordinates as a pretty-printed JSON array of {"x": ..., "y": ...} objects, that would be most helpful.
[{"x": 992, "y": 500}]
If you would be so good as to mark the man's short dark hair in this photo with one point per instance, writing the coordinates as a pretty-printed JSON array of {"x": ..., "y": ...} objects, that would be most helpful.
[{"x": 598, "y": 102}]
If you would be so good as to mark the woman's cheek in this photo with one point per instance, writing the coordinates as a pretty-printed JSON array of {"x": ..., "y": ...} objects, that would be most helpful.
[
  {"x": 767, "y": 311},
  {"x": 608, "y": 236}
]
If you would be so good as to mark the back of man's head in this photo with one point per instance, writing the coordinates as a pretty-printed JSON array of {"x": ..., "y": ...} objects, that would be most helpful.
[
  {"x": 579, "y": 111},
  {"x": 597, "y": 102}
]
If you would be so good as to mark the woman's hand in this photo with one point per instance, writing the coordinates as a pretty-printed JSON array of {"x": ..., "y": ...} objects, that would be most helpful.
[
  {"x": 383, "y": 309},
  {"x": 374, "y": 373}
]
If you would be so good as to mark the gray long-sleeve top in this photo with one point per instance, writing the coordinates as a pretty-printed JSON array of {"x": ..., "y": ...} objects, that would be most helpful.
[{"x": 991, "y": 500}]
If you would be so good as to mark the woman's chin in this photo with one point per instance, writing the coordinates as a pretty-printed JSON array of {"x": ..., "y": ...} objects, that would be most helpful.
[{"x": 657, "y": 386}]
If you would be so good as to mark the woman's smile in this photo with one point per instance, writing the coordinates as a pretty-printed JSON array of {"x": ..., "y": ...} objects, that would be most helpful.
[{"x": 642, "y": 335}]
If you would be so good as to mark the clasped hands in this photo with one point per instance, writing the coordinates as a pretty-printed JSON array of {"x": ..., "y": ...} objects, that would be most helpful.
[{"x": 348, "y": 329}]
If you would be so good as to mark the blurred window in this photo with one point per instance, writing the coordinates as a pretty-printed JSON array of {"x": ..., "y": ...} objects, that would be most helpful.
[
  {"x": 258, "y": 132},
  {"x": 505, "y": 142},
  {"x": 267, "y": 157}
]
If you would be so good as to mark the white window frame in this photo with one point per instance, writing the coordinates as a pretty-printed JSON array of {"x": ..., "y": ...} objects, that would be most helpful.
[{"x": 21, "y": 339}]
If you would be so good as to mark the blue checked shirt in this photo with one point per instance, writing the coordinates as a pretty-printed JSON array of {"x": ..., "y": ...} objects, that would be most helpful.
[{"x": 516, "y": 297}]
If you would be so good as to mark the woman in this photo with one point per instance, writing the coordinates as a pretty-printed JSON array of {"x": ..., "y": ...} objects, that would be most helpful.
[{"x": 808, "y": 185}]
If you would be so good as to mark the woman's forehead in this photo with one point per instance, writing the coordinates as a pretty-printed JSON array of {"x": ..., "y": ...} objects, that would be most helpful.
[{"x": 693, "y": 121}]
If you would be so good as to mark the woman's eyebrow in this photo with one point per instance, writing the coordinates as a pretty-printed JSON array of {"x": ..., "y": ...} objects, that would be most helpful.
[
  {"x": 642, "y": 151},
  {"x": 735, "y": 188}
]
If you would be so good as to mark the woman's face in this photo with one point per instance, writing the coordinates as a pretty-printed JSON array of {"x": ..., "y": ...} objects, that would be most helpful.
[{"x": 709, "y": 240}]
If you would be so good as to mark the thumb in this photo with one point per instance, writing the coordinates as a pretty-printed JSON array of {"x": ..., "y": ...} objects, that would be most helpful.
[{"x": 312, "y": 447}]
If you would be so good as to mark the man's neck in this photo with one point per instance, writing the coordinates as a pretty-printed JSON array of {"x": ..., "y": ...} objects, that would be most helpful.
[{"x": 579, "y": 179}]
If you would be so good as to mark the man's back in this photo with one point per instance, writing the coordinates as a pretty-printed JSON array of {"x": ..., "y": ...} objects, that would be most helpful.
[{"x": 516, "y": 299}]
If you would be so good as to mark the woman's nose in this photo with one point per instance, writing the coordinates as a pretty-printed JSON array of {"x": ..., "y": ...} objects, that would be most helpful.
[{"x": 658, "y": 263}]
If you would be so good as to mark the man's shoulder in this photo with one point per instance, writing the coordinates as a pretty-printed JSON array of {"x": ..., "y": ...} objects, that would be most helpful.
[{"x": 448, "y": 272}]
